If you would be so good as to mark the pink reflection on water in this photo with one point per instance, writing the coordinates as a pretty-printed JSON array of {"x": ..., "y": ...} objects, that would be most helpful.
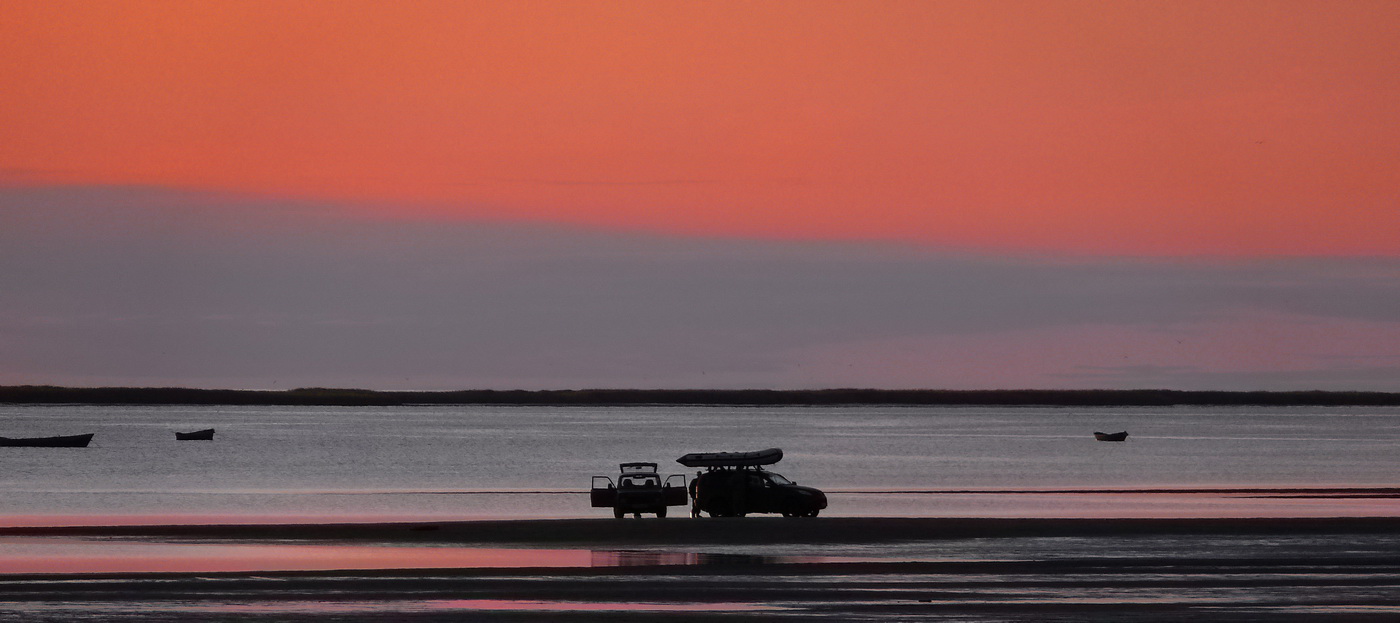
[
  {"x": 52, "y": 555},
  {"x": 649, "y": 558},
  {"x": 58, "y": 555}
]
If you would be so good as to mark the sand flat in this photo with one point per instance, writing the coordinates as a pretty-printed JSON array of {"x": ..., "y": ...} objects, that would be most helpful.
[
  {"x": 750, "y": 530},
  {"x": 1342, "y": 569}
]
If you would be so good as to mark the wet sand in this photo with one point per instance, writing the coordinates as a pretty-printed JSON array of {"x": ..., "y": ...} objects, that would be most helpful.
[{"x": 1343, "y": 569}]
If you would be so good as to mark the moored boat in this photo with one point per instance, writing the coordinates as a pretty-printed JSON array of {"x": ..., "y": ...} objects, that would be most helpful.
[
  {"x": 1120, "y": 436},
  {"x": 199, "y": 435},
  {"x": 64, "y": 441}
]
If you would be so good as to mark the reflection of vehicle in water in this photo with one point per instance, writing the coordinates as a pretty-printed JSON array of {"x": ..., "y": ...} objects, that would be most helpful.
[
  {"x": 638, "y": 490},
  {"x": 736, "y": 484}
]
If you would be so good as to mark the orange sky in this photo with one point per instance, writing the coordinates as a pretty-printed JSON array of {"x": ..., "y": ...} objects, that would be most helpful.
[{"x": 1160, "y": 128}]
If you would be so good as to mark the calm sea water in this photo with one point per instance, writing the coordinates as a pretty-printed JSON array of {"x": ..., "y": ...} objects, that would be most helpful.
[{"x": 475, "y": 462}]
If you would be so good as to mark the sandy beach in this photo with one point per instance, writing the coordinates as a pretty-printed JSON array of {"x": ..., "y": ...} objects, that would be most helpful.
[{"x": 743, "y": 569}]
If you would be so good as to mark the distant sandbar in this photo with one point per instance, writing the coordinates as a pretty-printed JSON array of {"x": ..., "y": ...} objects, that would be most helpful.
[{"x": 46, "y": 394}]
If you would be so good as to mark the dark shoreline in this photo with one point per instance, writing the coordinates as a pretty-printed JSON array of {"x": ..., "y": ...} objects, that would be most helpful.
[
  {"x": 47, "y": 394},
  {"x": 751, "y": 530}
]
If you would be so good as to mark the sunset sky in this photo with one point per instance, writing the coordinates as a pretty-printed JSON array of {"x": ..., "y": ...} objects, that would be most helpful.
[{"x": 442, "y": 195}]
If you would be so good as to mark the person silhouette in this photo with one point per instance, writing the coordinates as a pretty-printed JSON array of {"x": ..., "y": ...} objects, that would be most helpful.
[{"x": 695, "y": 495}]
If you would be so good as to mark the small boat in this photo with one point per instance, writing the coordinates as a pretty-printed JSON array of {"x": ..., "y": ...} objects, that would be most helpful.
[
  {"x": 732, "y": 459},
  {"x": 199, "y": 435},
  {"x": 1123, "y": 436},
  {"x": 66, "y": 441}
]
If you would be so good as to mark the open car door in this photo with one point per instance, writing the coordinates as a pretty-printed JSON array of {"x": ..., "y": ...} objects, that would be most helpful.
[
  {"x": 603, "y": 493},
  {"x": 674, "y": 492}
]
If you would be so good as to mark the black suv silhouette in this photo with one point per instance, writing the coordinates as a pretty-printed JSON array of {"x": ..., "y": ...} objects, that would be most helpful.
[{"x": 735, "y": 484}]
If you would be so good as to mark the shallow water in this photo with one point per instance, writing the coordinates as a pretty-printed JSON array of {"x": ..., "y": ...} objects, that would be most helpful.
[{"x": 374, "y": 463}]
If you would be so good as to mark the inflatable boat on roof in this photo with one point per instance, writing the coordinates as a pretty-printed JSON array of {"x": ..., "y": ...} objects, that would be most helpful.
[{"x": 732, "y": 459}]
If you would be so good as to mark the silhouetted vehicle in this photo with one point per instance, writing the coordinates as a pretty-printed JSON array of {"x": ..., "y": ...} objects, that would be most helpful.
[
  {"x": 1123, "y": 436},
  {"x": 736, "y": 484},
  {"x": 639, "y": 489},
  {"x": 199, "y": 435},
  {"x": 67, "y": 441}
]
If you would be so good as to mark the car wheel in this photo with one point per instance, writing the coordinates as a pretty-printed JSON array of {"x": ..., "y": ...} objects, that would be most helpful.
[
  {"x": 661, "y": 512},
  {"x": 813, "y": 513}
]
